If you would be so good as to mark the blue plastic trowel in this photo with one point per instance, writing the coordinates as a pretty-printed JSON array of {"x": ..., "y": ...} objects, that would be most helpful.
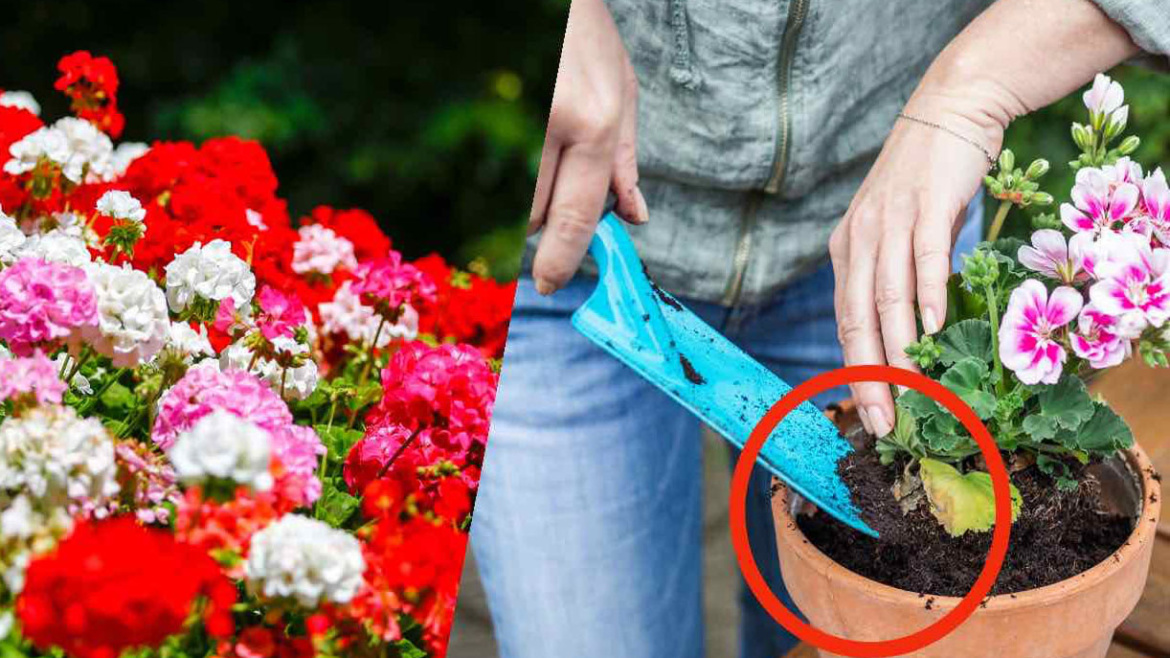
[{"x": 651, "y": 332}]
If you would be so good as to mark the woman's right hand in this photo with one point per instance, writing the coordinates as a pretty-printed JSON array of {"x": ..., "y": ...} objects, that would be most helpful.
[{"x": 590, "y": 147}]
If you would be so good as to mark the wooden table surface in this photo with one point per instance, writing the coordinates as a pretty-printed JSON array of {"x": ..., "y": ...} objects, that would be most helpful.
[{"x": 1142, "y": 396}]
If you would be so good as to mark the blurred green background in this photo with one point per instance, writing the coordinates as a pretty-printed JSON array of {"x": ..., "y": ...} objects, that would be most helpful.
[
  {"x": 1045, "y": 134},
  {"x": 429, "y": 115}
]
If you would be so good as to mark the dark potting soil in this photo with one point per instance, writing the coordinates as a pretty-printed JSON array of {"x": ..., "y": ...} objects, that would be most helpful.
[
  {"x": 689, "y": 371},
  {"x": 1057, "y": 535}
]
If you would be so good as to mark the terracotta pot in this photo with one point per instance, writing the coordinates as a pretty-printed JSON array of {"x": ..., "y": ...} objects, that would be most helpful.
[{"x": 1074, "y": 618}]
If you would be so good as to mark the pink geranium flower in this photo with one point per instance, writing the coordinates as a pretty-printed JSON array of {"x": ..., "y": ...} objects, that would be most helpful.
[
  {"x": 280, "y": 314},
  {"x": 1099, "y": 201},
  {"x": 43, "y": 303},
  {"x": 1052, "y": 256},
  {"x": 34, "y": 378},
  {"x": 388, "y": 283},
  {"x": 1134, "y": 287},
  {"x": 1028, "y": 341},
  {"x": 1156, "y": 204},
  {"x": 1097, "y": 340}
]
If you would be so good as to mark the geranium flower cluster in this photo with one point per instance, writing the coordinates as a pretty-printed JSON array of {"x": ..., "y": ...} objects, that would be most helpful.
[
  {"x": 1109, "y": 261},
  {"x": 222, "y": 432}
]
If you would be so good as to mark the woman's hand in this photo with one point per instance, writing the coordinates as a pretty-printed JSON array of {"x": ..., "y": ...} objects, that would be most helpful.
[
  {"x": 891, "y": 251},
  {"x": 590, "y": 146}
]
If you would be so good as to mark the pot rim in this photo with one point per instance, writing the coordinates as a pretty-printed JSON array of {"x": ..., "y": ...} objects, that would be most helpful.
[{"x": 1145, "y": 529}]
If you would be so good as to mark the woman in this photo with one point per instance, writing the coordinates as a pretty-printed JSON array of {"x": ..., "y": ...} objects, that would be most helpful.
[{"x": 760, "y": 125}]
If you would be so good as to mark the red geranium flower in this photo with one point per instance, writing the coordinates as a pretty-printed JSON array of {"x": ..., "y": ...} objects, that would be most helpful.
[
  {"x": 92, "y": 85},
  {"x": 113, "y": 585}
]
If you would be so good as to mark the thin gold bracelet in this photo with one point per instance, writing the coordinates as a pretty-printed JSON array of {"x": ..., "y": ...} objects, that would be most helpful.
[{"x": 987, "y": 154}]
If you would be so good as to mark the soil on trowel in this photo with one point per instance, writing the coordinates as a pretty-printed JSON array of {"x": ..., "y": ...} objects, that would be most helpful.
[
  {"x": 1057, "y": 535},
  {"x": 689, "y": 371}
]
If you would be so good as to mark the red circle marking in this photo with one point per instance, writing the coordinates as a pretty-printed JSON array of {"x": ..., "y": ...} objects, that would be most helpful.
[{"x": 999, "y": 537}]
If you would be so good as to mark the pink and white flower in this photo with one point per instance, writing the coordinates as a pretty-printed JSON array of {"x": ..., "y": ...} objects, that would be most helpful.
[
  {"x": 1028, "y": 336},
  {"x": 321, "y": 251},
  {"x": 1104, "y": 97},
  {"x": 1134, "y": 288},
  {"x": 1156, "y": 204},
  {"x": 43, "y": 304},
  {"x": 1099, "y": 202},
  {"x": 1097, "y": 339},
  {"x": 1051, "y": 255}
]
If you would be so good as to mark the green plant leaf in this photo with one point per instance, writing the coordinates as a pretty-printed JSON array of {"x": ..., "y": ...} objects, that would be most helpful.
[
  {"x": 943, "y": 434},
  {"x": 966, "y": 339},
  {"x": 918, "y": 405},
  {"x": 338, "y": 439},
  {"x": 1064, "y": 407},
  {"x": 1104, "y": 433},
  {"x": 967, "y": 378},
  {"x": 335, "y": 506},
  {"x": 962, "y": 503}
]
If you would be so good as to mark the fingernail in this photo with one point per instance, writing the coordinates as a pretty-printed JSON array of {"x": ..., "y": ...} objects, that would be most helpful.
[
  {"x": 929, "y": 321},
  {"x": 544, "y": 287},
  {"x": 864, "y": 419},
  {"x": 877, "y": 417},
  {"x": 643, "y": 209}
]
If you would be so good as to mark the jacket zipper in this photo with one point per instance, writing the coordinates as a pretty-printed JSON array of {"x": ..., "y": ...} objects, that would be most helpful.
[{"x": 796, "y": 15}]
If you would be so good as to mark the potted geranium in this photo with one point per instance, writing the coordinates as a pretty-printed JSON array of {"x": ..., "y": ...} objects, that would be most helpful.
[{"x": 1028, "y": 323}]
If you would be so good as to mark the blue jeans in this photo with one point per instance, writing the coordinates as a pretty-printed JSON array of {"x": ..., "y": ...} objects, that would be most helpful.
[{"x": 587, "y": 527}]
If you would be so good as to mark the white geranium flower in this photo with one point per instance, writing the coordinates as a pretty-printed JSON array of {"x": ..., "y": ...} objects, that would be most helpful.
[
  {"x": 133, "y": 323},
  {"x": 19, "y": 521},
  {"x": 224, "y": 446},
  {"x": 210, "y": 272},
  {"x": 320, "y": 250},
  {"x": 125, "y": 154},
  {"x": 299, "y": 383},
  {"x": 83, "y": 152},
  {"x": 11, "y": 240},
  {"x": 23, "y": 100},
  {"x": 304, "y": 560},
  {"x": 58, "y": 245},
  {"x": 57, "y": 458},
  {"x": 347, "y": 315},
  {"x": 120, "y": 205},
  {"x": 189, "y": 344}
]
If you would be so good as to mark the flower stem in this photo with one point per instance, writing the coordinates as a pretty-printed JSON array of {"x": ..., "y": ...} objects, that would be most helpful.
[
  {"x": 370, "y": 357},
  {"x": 997, "y": 223},
  {"x": 993, "y": 315}
]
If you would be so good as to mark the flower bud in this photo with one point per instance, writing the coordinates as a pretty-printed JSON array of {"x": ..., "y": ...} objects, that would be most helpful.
[
  {"x": 1007, "y": 160},
  {"x": 1116, "y": 123},
  {"x": 1037, "y": 169},
  {"x": 1128, "y": 145},
  {"x": 1042, "y": 199},
  {"x": 1082, "y": 136}
]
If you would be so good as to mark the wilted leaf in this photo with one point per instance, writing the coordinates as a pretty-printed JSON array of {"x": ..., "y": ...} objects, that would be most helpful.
[{"x": 962, "y": 503}]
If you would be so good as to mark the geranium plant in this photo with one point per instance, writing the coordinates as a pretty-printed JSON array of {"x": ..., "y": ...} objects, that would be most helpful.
[
  {"x": 1029, "y": 321},
  {"x": 222, "y": 433}
]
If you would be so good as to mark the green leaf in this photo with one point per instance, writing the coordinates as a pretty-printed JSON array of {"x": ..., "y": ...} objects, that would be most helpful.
[
  {"x": 962, "y": 503},
  {"x": 943, "y": 434},
  {"x": 118, "y": 397},
  {"x": 338, "y": 440},
  {"x": 1104, "y": 433},
  {"x": 918, "y": 405},
  {"x": 967, "y": 378},
  {"x": 1064, "y": 407},
  {"x": 335, "y": 506},
  {"x": 966, "y": 339}
]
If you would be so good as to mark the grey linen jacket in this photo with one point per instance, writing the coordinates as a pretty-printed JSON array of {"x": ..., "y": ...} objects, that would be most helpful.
[{"x": 758, "y": 120}]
